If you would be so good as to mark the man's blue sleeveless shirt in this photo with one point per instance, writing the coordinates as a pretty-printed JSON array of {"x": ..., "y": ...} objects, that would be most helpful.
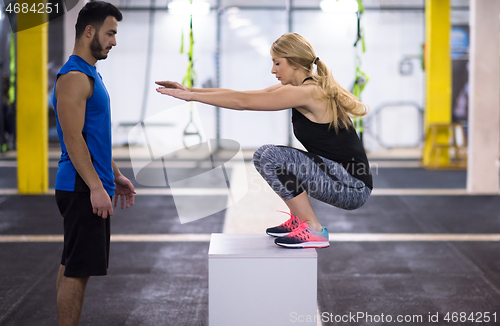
[{"x": 96, "y": 132}]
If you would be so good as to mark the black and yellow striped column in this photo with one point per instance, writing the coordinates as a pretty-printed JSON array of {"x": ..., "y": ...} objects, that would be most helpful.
[
  {"x": 438, "y": 73},
  {"x": 32, "y": 108}
]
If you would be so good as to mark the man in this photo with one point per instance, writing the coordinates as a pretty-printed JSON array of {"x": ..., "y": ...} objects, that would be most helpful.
[{"x": 87, "y": 175}]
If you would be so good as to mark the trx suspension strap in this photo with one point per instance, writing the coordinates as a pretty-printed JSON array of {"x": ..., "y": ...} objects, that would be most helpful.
[
  {"x": 12, "y": 68},
  {"x": 11, "y": 93},
  {"x": 189, "y": 82},
  {"x": 360, "y": 78}
]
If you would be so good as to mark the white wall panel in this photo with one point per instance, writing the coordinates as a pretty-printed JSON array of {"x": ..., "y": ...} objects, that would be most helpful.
[{"x": 246, "y": 64}]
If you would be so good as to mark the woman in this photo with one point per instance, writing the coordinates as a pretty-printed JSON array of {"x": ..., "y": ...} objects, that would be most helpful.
[{"x": 334, "y": 169}]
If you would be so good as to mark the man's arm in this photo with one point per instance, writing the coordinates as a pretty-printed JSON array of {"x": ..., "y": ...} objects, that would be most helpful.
[{"x": 72, "y": 91}]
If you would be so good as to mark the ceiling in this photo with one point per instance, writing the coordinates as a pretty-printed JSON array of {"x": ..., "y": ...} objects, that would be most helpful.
[{"x": 371, "y": 4}]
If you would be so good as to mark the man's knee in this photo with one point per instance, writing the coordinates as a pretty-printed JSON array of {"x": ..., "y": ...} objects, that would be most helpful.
[
  {"x": 76, "y": 281},
  {"x": 83, "y": 280}
]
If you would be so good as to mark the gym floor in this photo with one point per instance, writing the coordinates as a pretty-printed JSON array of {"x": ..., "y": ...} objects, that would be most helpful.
[{"x": 419, "y": 246}]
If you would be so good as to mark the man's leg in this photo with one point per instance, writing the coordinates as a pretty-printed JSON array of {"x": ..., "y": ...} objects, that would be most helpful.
[
  {"x": 70, "y": 292},
  {"x": 60, "y": 275},
  {"x": 85, "y": 252}
]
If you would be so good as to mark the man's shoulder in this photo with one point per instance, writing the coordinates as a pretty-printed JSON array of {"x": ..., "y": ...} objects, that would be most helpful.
[
  {"x": 74, "y": 77},
  {"x": 76, "y": 64},
  {"x": 74, "y": 83}
]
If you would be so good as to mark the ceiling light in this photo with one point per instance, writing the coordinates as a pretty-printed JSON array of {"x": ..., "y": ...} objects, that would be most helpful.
[
  {"x": 232, "y": 10},
  {"x": 183, "y": 7},
  {"x": 239, "y": 22},
  {"x": 339, "y": 6},
  {"x": 248, "y": 31}
]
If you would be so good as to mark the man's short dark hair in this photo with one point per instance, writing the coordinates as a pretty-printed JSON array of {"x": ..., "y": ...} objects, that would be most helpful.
[{"x": 94, "y": 13}]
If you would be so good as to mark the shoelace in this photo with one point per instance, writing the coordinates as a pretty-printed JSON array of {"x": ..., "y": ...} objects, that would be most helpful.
[
  {"x": 293, "y": 220},
  {"x": 300, "y": 231}
]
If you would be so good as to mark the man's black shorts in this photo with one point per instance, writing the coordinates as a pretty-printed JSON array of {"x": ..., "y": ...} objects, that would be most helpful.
[{"x": 86, "y": 236}]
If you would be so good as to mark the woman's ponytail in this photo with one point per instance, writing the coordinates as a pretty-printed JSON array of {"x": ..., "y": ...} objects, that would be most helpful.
[{"x": 342, "y": 105}]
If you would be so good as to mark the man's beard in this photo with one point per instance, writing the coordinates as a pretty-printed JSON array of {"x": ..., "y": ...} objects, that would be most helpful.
[{"x": 96, "y": 48}]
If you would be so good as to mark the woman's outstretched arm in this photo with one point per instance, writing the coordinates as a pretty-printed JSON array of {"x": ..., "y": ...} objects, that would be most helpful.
[
  {"x": 176, "y": 85},
  {"x": 281, "y": 98}
]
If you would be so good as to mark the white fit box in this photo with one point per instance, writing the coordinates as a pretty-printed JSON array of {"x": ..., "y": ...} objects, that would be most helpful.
[{"x": 253, "y": 282}]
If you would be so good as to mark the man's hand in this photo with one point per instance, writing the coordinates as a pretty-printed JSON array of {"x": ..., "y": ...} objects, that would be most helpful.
[
  {"x": 101, "y": 203},
  {"x": 172, "y": 84},
  {"x": 125, "y": 190}
]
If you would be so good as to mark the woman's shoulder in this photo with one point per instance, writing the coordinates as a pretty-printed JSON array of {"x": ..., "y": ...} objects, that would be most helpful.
[{"x": 316, "y": 108}]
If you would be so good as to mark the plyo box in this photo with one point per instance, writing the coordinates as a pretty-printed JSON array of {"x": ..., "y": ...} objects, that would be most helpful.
[{"x": 254, "y": 282}]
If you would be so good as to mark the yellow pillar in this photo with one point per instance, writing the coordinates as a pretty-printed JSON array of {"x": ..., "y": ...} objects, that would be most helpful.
[
  {"x": 32, "y": 115},
  {"x": 438, "y": 72}
]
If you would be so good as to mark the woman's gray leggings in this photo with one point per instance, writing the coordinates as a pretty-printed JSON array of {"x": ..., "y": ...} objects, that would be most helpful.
[{"x": 290, "y": 171}]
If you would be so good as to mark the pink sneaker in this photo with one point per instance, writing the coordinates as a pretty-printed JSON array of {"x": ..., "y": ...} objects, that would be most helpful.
[
  {"x": 304, "y": 237},
  {"x": 285, "y": 228}
]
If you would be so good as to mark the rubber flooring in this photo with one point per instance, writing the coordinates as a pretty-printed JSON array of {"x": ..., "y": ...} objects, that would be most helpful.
[
  {"x": 166, "y": 283},
  {"x": 382, "y": 178}
]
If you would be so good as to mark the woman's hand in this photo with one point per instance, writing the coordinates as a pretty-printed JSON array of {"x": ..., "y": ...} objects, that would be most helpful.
[
  {"x": 172, "y": 84},
  {"x": 177, "y": 93}
]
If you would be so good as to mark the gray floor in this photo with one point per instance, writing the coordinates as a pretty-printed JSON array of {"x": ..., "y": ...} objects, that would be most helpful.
[
  {"x": 167, "y": 283},
  {"x": 384, "y": 178}
]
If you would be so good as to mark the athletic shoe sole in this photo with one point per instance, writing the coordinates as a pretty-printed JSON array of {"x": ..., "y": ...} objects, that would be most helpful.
[
  {"x": 277, "y": 235},
  {"x": 305, "y": 245}
]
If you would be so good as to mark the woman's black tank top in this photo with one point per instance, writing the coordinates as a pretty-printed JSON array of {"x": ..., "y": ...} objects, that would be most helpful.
[{"x": 343, "y": 147}]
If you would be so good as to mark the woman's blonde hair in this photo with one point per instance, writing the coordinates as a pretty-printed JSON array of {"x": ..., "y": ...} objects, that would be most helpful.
[{"x": 342, "y": 104}]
